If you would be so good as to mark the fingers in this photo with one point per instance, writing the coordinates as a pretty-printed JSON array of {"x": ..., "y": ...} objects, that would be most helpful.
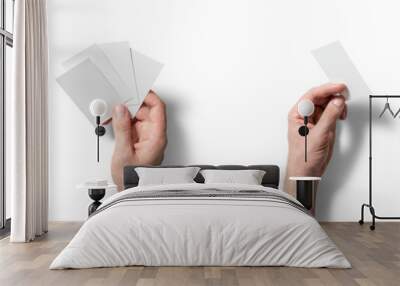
[
  {"x": 322, "y": 94},
  {"x": 152, "y": 106},
  {"x": 331, "y": 140},
  {"x": 156, "y": 111},
  {"x": 122, "y": 125},
  {"x": 330, "y": 115},
  {"x": 142, "y": 113},
  {"x": 344, "y": 113},
  {"x": 152, "y": 100}
]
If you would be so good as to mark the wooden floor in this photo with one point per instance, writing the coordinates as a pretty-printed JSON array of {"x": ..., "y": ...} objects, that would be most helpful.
[{"x": 375, "y": 257}]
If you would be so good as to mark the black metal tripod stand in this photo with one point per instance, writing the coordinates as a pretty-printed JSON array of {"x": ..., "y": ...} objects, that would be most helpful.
[{"x": 369, "y": 205}]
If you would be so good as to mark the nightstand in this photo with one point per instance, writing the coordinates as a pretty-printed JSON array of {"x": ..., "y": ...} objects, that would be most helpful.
[{"x": 96, "y": 191}]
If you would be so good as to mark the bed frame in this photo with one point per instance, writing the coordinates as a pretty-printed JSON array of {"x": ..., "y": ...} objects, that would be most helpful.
[{"x": 270, "y": 179}]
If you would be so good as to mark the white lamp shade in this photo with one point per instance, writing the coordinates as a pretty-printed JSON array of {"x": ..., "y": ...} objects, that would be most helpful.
[
  {"x": 98, "y": 107},
  {"x": 305, "y": 107}
]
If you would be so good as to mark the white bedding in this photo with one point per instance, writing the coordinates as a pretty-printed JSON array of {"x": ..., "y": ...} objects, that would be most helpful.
[{"x": 190, "y": 230}]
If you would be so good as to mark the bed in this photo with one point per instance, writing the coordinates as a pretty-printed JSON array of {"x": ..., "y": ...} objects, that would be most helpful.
[{"x": 201, "y": 224}]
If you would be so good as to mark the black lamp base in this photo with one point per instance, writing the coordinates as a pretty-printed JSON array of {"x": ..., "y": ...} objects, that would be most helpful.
[
  {"x": 100, "y": 130},
  {"x": 96, "y": 195}
]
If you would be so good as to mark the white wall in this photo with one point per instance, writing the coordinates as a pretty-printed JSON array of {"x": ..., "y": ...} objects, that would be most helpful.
[{"x": 232, "y": 71}]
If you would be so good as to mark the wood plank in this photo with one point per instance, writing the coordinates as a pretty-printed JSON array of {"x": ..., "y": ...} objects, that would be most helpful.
[{"x": 375, "y": 257}]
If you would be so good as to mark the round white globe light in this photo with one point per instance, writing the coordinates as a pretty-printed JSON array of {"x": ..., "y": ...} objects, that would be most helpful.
[
  {"x": 305, "y": 107},
  {"x": 98, "y": 107}
]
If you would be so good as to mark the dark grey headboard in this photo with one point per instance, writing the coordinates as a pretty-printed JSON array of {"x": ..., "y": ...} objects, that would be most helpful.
[{"x": 270, "y": 179}]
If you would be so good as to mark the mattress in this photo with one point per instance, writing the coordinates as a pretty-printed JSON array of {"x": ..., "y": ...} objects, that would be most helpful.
[{"x": 201, "y": 225}]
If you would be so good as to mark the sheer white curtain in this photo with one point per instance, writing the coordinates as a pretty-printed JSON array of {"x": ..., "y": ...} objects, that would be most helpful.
[{"x": 28, "y": 160}]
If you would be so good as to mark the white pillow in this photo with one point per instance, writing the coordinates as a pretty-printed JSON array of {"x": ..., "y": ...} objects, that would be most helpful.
[
  {"x": 163, "y": 176},
  {"x": 248, "y": 177}
]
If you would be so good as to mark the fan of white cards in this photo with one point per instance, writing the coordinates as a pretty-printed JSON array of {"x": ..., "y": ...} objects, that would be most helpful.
[{"x": 113, "y": 72}]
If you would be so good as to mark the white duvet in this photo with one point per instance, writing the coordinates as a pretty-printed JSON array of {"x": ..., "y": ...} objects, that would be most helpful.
[{"x": 183, "y": 231}]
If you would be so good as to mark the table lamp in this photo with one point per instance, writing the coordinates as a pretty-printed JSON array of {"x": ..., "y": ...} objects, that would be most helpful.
[
  {"x": 98, "y": 108},
  {"x": 305, "y": 108}
]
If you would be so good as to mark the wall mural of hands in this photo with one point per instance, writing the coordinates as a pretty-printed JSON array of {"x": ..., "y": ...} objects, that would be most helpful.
[
  {"x": 329, "y": 107},
  {"x": 141, "y": 140}
]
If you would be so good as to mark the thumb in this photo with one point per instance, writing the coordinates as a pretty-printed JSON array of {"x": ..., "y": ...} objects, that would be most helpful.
[
  {"x": 122, "y": 125},
  {"x": 330, "y": 115}
]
